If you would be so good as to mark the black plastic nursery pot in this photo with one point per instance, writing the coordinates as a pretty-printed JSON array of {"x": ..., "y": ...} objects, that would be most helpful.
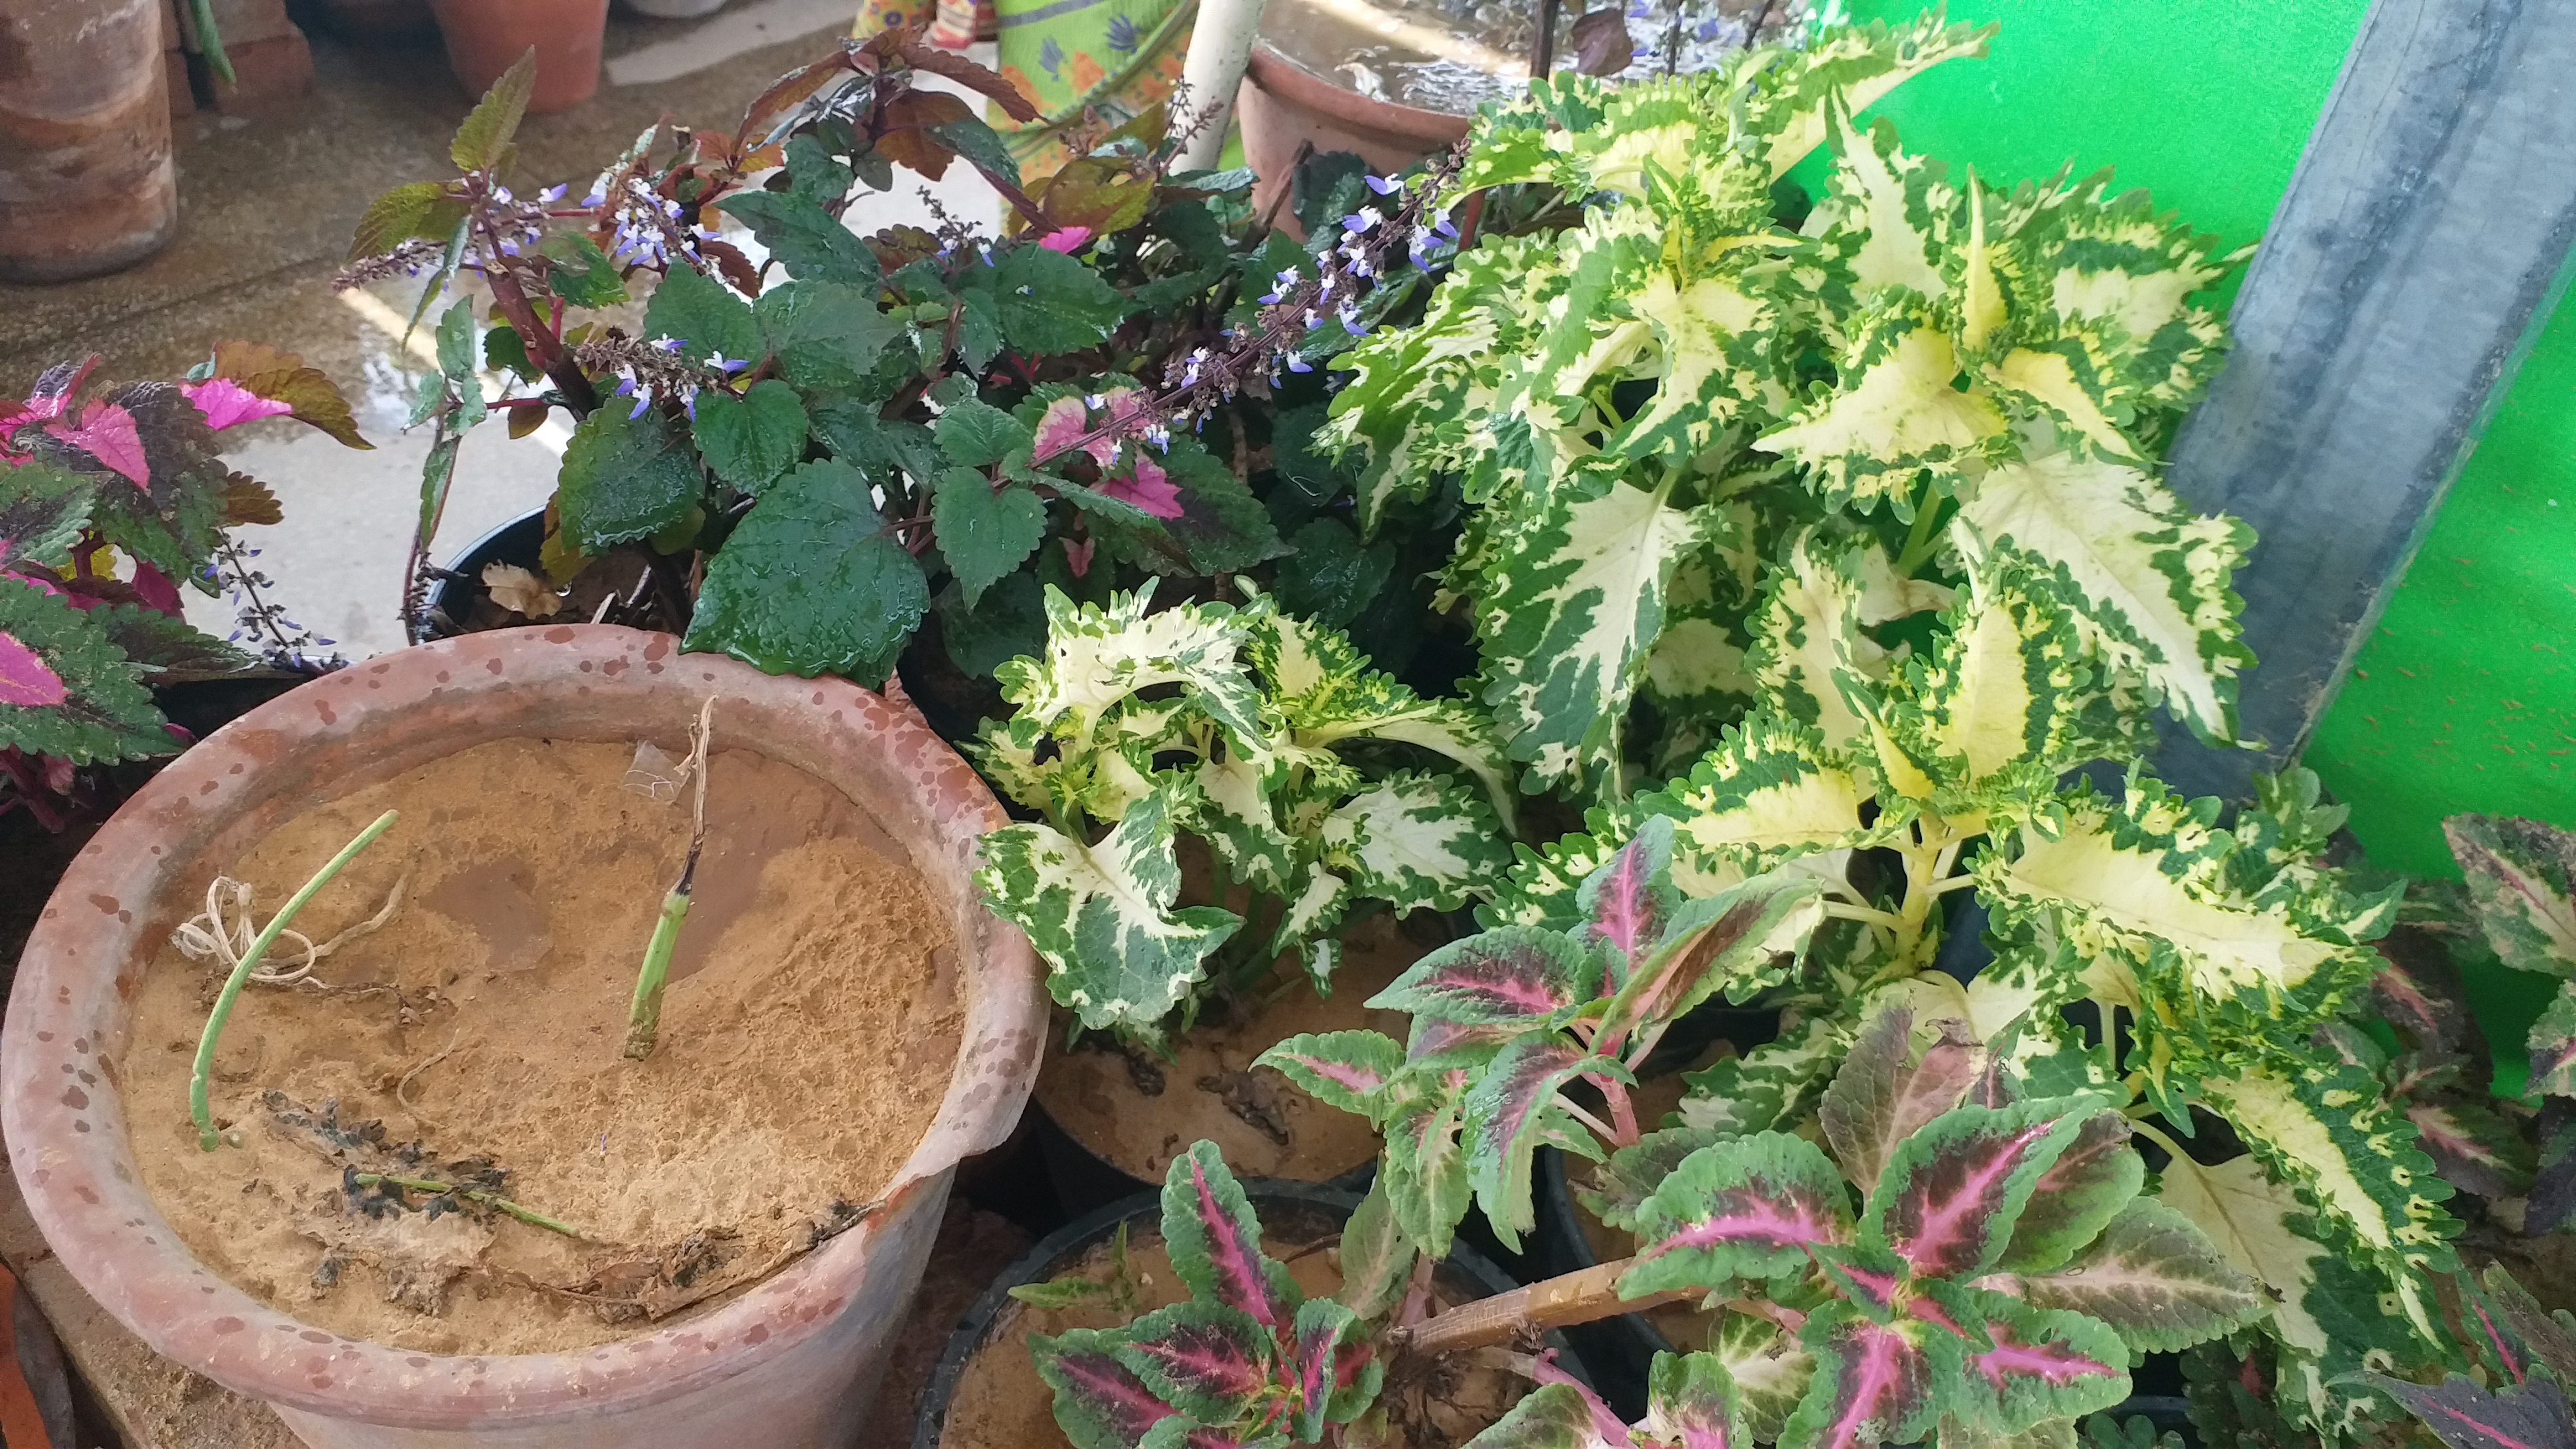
[
  {"x": 1292, "y": 1213},
  {"x": 521, "y": 541}
]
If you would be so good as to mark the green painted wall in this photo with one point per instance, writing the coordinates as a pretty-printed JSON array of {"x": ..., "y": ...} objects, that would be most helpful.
[{"x": 2465, "y": 697}]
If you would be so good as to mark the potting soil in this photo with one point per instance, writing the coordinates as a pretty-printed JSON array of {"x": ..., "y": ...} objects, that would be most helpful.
[{"x": 807, "y": 1039}]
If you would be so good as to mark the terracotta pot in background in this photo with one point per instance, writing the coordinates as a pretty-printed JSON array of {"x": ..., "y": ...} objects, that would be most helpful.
[
  {"x": 1282, "y": 105},
  {"x": 789, "y": 1364},
  {"x": 487, "y": 37},
  {"x": 85, "y": 180}
]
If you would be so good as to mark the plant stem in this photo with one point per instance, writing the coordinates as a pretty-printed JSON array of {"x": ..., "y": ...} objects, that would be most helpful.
[
  {"x": 198, "y": 1107},
  {"x": 210, "y": 43},
  {"x": 489, "y": 1199},
  {"x": 644, "y": 1015},
  {"x": 1920, "y": 542},
  {"x": 1578, "y": 1297}
]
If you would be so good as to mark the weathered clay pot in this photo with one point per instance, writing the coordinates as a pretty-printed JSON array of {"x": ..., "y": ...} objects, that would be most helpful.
[
  {"x": 793, "y": 1362},
  {"x": 1284, "y": 105},
  {"x": 85, "y": 180},
  {"x": 487, "y": 37}
]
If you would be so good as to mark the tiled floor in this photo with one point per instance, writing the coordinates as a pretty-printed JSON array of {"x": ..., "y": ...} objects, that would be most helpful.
[{"x": 267, "y": 207}]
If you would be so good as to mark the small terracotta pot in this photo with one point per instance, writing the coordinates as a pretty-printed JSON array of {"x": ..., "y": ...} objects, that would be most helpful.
[
  {"x": 86, "y": 185},
  {"x": 487, "y": 37},
  {"x": 790, "y": 1364},
  {"x": 1283, "y": 104}
]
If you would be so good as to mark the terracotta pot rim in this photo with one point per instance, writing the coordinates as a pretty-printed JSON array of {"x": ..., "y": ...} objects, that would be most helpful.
[
  {"x": 1301, "y": 88},
  {"x": 85, "y": 1197}
]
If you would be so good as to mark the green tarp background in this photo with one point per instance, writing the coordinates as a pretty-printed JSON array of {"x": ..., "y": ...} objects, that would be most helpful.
[{"x": 2464, "y": 698}]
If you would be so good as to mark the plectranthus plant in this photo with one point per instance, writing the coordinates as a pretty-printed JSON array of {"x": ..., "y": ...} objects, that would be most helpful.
[{"x": 1316, "y": 783}]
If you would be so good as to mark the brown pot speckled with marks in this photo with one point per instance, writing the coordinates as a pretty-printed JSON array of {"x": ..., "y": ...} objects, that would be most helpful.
[{"x": 790, "y": 1363}]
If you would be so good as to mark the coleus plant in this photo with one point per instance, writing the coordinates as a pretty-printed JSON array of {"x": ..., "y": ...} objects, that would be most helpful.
[
  {"x": 2527, "y": 1355},
  {"x": 812, "y": 453},
  {"x": 112, "y": 499},
  {"x": 1266, "y": 736},
  {"x": 2522, "y": 894}
]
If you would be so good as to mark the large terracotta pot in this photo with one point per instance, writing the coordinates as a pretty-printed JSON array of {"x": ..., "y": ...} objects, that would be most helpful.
[
  {"x": 487, "y": 37},
  {"x": 1284, "y": 105},
  {"x": 790, "y": 1364},
  {"x": 85, "y": 180}
]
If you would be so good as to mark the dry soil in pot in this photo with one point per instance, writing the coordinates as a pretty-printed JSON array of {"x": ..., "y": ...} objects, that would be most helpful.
[
  {"x": 806, "y": 1040},
  {"x": 1137, "y": 1111}
]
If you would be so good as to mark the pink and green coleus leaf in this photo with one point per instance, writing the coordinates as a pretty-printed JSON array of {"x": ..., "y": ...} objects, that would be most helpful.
[
  {"x": 2465, "y": 1416},
  {"x": 66, "y": 689},
  {"x": 1885, "y": 1092},
  {"x": 1874, "y": 1383},
  {"x": 42, "y": 511},
  {"x": 1180, "y": 1431},
  {"x": 1336, "y": 1367},
  {"x": 1509, "y": 1111},
  {"x": 1691, "y": 1403},
  {"x": 2522, "y": 888},
  {"x": 1209, "y": 1361},
  {"x": 1345, "y": 1069},
  {"x": 1751, "y": 1207},
  {"x": 2474, "y": 1147},
  {"x": 1628, "y": 904},
  {"x": 2041, "y": 1364},
  {"x": 1554, "y": 1416},
  {"x": 1215, "y": 1241},
  {"x": 1424, "y": 1164},
  {"x": 2553, "y": 1046},
  {"x": 1949, "y": 1198},
  {"x": 1099, "y": 1402},
  {"x": 2080, "y": 1193},
  {"x": 1621, "y": 1185},
  {"x": 1377, "y": 1258},
  {"x": 1724, "y": 941},
  {"x": 1517, "y": 976},
  {"x": 1770, "y": 1369},
  {"x": 2155, "y": 1278}
]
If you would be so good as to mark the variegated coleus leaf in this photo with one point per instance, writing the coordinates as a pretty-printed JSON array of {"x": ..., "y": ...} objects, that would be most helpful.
[
  {"x": 2041, "y": 1364},
  {"x": 1772, "y": 1086},
  {"x": 2117, "y": 276},
  {"x": 1517, "y": 977},
  {"x": 1621, "y": 1185},
  {"x": 1555, "y": 1416},
  {"x": 1731, "y": 942},
  {"x": 1769, "y": 1367},
  {"x": 1100, "y": 1403},
  {"x": 1809, "y": 655},
  {"x": 2522, "y": 888},
  {"x": 1873, "y": 1383},
  {"x": 2330, "y": 1131},
  {"x": 1417, "y": 842},
  {"x": 1102, "y": 916},
  {"x": 1209, "y": 1361},
  {"x": 1749, "y": 1207},
  {"x": 1771, "y": 791},
  {"x": 1097, "y": 657},
  {"x": 1099, "y": 782},
  {"x": 42, "y": 512},
  {"x": 2553, "y": 1045},
  {"x": 1886, "y": 1091},
  {"x": 1376, "y": 1257},
  {"x": 1424, "y": 1162},
  {"x": 1325, "y": 691},
  {"x": 1691, "y": 1403},
  {"x": 2154, "y": 1277},
  {"x": 1896, "y": 415},
  {"x": 1214, "y": 1242},
  {"x": 1345, "y": 1069},
  {"x": 66, "y": 689},
  {"x": 1511, "y": 1110},
  {"x": 1336, "y": 1369},
  {"x": 1951, "y": 1195},
  {"x": 2465, "y": 1415},
  {"x": 2146, "y": 579}
]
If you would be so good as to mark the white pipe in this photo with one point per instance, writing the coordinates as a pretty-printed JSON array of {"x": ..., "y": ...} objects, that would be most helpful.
[{"x": 1220, "y": 48}]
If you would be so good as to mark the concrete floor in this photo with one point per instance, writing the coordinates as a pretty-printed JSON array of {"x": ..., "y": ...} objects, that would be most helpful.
[{"x": 266, "y": 210}]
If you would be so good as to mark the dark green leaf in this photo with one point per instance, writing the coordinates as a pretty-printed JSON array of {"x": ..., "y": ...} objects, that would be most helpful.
[
  {"x": 706, "y": 317},
  {"x": 751, "y": 439},
  {"x": 484, "y": 140},
  {"x": 623, "y": 479},
  {"x": 1010, "y": 621},
  {"x": 812, "y": 582},
  {"x": 1052, "y": 303},
  {"x": 165, "y": 646},
  {"x": 814, "y": 173},
  {"x": 505, "y": 351},
  {"x": 583, "y": 275},
  {"x": 984, "y": 532},
  {"x": 415, "y": 209},
  {"x": 979, "y": 327},
  {"x": 1292, "y": 453},
  {"x": 807, "y": 240},
  {"x": 979, "y": 143},
  {"x": 978, "y": 435},
  {"x": 872, "y": 167},
  {"x": 1332, "y": 576},
  {"x": 829, "y": 337},
  {"x": 42, "y": 511}
]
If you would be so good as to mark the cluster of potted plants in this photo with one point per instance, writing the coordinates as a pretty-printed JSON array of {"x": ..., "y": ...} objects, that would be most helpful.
[{"x": 1588, "y": 714}]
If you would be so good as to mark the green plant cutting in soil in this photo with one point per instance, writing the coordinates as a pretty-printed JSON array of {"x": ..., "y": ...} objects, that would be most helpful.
[{"x": 111, "y": 499}]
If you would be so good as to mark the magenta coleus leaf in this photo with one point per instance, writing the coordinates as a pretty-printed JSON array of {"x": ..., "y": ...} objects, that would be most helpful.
[
  {"x": 1948, "y": 1199},
  {"x": 1708, "y": 943},
  {"x": 2465, "y": 1416},
  {"x": 1746, "y": 1208},
  {"x": 1099, "y": 1401},
  {"x": 1628, "y": 903},
  {"x": 1464, "y": 1044},
  {"x": 1209, "y": 1361},
  {"x": 2042, "y": 1364},
  {"x": 1215, "y": 1241},
  {"x": 1509, "y": 1111},
  {"x": 56, "y": 387},
  {"x": 2080, "y": 1193},
  {"x": 227, "y": 403},
  {"x": 1335, "y": 1372},
  {"x": 1513, "y": 975},
  {"x": 1885, "y": 1093},
  {"x": 1345, "y": 1069},
  {"x": 26, "y": 682},
  {"x": 107, "y": 433},
  {"x": 1874, "y": 1383},
  {"x": 1691, "y": 1403}
]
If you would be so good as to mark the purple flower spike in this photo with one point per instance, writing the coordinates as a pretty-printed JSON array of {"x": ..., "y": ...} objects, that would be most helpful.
[
  {"x": 552, "y": 194},
  {"x": 625, "y": 388},
  {"x": 729, "y": 364},
  {"x": 642, "y": 401},
  {"x": 1447, "y": 228},
  {"x": 1299, "y": 364},
  {"x": 669, "y": 344},
  {"x": 1268, "y": 299},
  {"x": 1383, "y": 185}
]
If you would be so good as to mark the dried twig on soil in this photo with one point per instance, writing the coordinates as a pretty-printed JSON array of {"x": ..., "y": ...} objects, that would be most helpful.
[
  {"x": 644, "y": 1017},
  {"x": 402, "y": 1089},
  {"x": 210, "y": 933}
]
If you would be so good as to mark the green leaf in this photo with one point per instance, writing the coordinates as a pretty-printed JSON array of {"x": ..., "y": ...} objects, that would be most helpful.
[
  {"x": 42, "y": 512},
  {"x": 811, "y": 582},
  {"x": 751, "y": 439},
  {"x": 978, "y": 435},
  {"x": 625, "y": 478},
  {"x": 1051, "y": 303},
  {"x": 66, "y": 690},
  {"x": 984, "y": 531},
  {"x": 484, "y": 140},
  {"x": 807, "y": 240},
  {"x": 582, "y": 274},
  {"x": 1376, "y": 1260},
  {"x": 1332, "y": 576},
  {"x": 416, "y": 209},
  {"x": 2553, "y": 1045},
  {"x": 704, "y": 316},
  {"x": 829, "y": 339},
  {"x": 1417, "y": 842},
  {"x": 1101, "y": 916},
  {"x": 1008, "y": 622},
  {"x": 814, "y": 173}
]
